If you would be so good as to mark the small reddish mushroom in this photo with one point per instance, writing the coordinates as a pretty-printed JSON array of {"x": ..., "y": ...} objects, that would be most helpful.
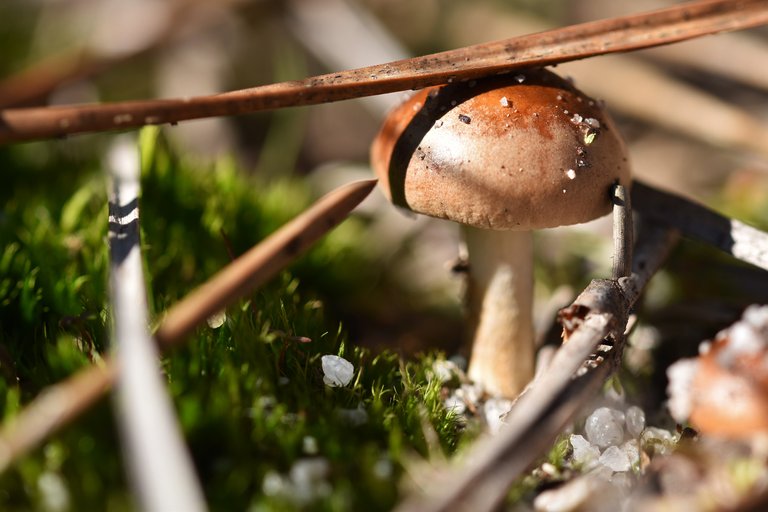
[
  {"x": 724, "y": 391},
  {"x": 501, "y": 156}
]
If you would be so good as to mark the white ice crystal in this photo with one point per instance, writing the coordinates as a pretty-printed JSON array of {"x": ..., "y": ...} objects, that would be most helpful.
[
  {"x": 494, "y": 410},
  {"x": 585, "y": 453},
  {"x": 53, "y": 492},
  {"x": 337, "y": 371},
  {"x": 445, "y": 370},
  {"x": 216, "y": 320},
  {"x": 615, "y": 458},
  {"x": 604, "y": 427},
  {"x": 662, "y": 441},
  {"x": 455, "y": 404},
  {"x": 635, "y": 420},
  {"x": 305, "y": 482},
  {"x": 353, "y": 417}
]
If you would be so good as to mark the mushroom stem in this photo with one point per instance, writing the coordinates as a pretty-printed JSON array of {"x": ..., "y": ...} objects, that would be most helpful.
[{"x": 499, "y": 295}]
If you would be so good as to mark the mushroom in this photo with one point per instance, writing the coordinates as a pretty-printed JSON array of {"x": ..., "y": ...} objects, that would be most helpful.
[
  {"x": 724, "y": 391},
  {"x": 501, "y": 156}
]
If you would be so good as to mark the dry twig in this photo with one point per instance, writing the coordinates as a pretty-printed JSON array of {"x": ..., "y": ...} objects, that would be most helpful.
[
  {"x": 61, "y": 403},
  {"x": 623, "y": 233},
  {"x": 561, "y": 45}
]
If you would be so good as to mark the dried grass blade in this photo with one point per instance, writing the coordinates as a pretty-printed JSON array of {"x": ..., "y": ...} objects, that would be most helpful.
[
  {"x": 561, "y": 45},
  {"x": 61, "y": 403},
  {"x": 158, "y": 464}
]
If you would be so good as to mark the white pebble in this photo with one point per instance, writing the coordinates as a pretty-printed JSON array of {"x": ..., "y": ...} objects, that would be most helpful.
[
  {"x": 570, "y": 173},
  {"x": 309, "y": 445},
  {"x": 216, "y": 320},
  {"x": 338, "y": 371},
  {"x": 662, "y": 441},
  {"x": 53, "y": 491},
  {"x": 604, "y": 427},
  {"x": 273, "y": 484},
  {"x": 470, "y": 393},
  {"x": 353, "y": 417},
  {"x": 585, "y": 454},
  {"x": 309, "y": 470},
  {"x": 455, "y": 405},
  {"x": 308, "y": 480},
  {"x": 494, "y": 410},
  {"x": 635, "y": 420},
  {"x": 504, "y": 101},
  {"x": 632, "y": 450},
  {"x": 445, "y": 370},
  {"x": 615, "y": 458},
  {"x": 592, "y": 122}
]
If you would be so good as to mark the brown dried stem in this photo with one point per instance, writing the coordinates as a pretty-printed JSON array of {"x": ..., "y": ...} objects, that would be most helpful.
[
  {"x": 570, "y": 43},
  {"x": 61, "y": 403}
]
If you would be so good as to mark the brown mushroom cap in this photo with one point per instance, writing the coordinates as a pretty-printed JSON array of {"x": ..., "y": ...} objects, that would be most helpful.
[{"x": 518, "y": 151}]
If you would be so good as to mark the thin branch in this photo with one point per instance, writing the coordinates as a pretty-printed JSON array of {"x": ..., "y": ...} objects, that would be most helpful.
[
  {"x": 622, "y": 233},
  {"x": 542, "y": 412},
  {"x": 700, "y": 223},
  {"x": 158, "y": 464},
  {"x": 61, "y": 403},
  {"x": 561, "y": 45}
]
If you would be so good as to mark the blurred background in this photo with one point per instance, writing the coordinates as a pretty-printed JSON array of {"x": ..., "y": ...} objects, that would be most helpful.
[{"x": 695, "y": 116}]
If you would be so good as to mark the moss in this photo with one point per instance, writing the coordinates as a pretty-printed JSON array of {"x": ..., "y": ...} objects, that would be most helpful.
[{"x": 249, "y": 394}]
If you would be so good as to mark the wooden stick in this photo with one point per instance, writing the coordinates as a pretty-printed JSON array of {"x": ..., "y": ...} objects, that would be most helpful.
[
  {"x": 621, "y": 34},
  {"x": 58, "y": 405},
  {"x": 700, "y": 223}
]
